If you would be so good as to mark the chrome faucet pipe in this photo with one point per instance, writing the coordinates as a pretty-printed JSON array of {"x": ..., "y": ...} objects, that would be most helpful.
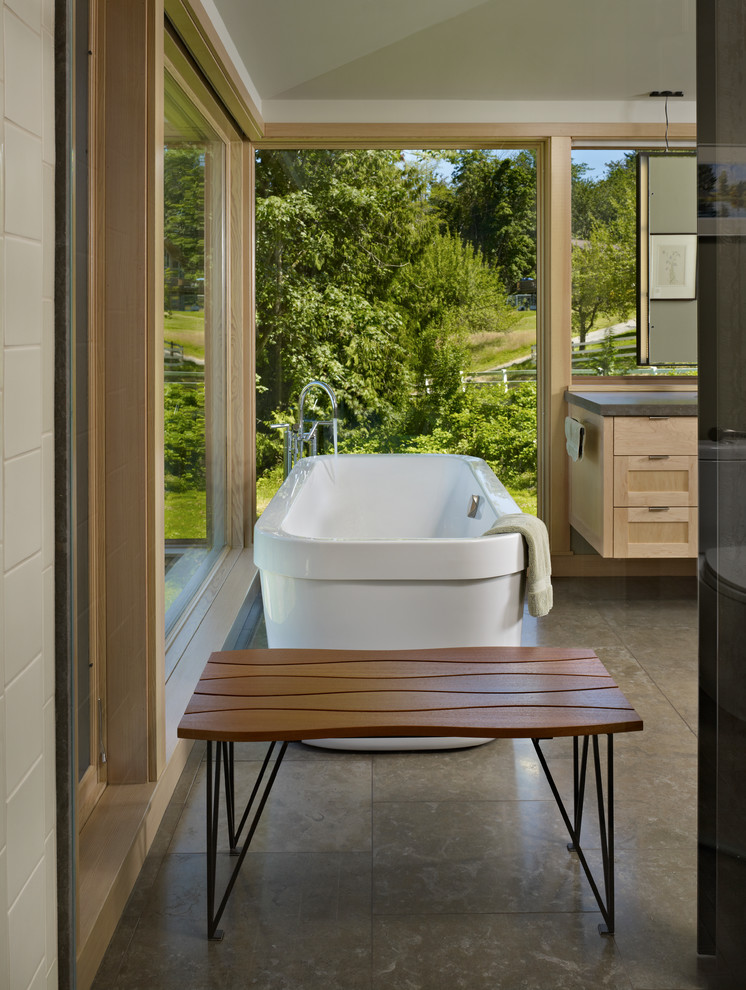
[
  {"x": 312, "y": 435},
  {"x": 296, "y": 436},
  {"x": 304, "y": 392}
]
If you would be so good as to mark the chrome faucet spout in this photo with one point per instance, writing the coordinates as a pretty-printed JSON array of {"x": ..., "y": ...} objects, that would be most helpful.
[
  {"x": 304, "y": 436},
  {"x": 295, "y": 438},
  {"x": 304, "y": 392}
]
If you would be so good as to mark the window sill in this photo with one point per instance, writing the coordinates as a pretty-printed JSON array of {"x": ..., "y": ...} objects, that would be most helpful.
[
  {"x": 207, "y": 630},
  {"x": 635, "y": 383}
]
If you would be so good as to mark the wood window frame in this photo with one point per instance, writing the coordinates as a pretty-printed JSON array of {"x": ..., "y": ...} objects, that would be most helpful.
[
  {"x": 131, "y": 52},
  {"x": 130, "y": 43}
]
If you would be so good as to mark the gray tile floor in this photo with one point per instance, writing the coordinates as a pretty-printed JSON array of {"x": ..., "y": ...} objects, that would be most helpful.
[{"x": 449, "y": 870}]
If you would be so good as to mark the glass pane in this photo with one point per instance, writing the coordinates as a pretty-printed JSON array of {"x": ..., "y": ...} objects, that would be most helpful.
[
  {"x": 194, "y": 349},
  {"x": 85, "y": 673},
  {"x": 604, "y": 267},
  {"x": 86, "y": 693},
  {"x": 407, "y": 281}
]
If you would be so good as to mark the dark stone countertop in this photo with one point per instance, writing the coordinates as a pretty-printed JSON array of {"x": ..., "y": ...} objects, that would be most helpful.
[{"x": 635, "y": 403}]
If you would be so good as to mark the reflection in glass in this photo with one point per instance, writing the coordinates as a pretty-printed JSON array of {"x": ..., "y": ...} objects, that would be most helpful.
[{"x": 194, "y": 349}]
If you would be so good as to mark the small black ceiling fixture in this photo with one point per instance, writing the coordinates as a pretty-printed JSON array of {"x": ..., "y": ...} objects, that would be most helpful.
[{"x": 666, "y": 93}]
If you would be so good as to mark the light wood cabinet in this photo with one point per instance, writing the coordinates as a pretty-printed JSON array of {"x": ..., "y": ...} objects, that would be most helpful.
[
  {"x": 655, "y": 479},
  {"x": 634, "y": 492}
]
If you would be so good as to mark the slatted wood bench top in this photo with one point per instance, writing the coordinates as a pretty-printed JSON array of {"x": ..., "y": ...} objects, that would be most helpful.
[{"x": 505, "y": 692}]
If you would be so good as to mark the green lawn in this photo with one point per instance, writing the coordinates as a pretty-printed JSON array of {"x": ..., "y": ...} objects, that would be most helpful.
[
  {"x": 526, "y": 499},
  {"x": 186, "y": 515},
  {"x": 187, "y": 329},
  {"x": 266, "y": 486}
]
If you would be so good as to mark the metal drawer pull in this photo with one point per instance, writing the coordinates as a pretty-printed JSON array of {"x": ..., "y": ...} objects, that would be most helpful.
[
  {"x": 659, "y": 417},
  {"x": 658, "y": 457},
  {"x": 657, "y": 508}
]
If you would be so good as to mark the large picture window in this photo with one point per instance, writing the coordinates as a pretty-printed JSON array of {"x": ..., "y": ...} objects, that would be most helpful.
[{"x": 406, "y": 280}]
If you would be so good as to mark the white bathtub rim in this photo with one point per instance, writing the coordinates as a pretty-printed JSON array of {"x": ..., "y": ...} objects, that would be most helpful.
[
  {"x": 272, "y": 519},
  {"x": 401, "y": 558},
  {"x": 390, "y": 560}
]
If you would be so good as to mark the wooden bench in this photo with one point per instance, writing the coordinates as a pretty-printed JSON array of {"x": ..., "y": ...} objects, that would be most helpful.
[{"x": 282, "y": 695}]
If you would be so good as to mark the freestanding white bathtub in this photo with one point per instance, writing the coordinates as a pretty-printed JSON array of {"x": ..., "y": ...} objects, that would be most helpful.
[{"x": 385, "y": 551}]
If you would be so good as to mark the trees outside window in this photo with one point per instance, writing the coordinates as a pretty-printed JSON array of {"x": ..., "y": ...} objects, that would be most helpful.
[{"x": 377, "y": 271}]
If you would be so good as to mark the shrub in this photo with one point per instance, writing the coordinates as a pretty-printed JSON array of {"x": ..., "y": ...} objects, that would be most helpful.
[
  {"x": 184, "y": 437},
  {"x": 497, "y": 425}
]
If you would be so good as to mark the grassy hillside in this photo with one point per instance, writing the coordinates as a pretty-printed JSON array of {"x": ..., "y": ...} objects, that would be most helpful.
[
  {"x": 492, "y": 350},
  {"x": 187, "y": 329}
]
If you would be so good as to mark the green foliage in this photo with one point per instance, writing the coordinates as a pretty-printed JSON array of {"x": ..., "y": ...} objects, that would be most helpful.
[
  {"x": 333, "y": 230},
  {"x": 448, "y": 295},
  {"x": 374, "y": 275},
  {"x": 184, "y": 437},
  {"x": 492, "y": 206},
  {"x": 598, "y": 202},
  {"x": 184, "y": 221},
  {"x": 357, "y": 285},
  {"x": 611, "y": 362},
  {"x": 494, "y": 424},
  {"x": 604, "y": 265},
  {"x": 500, "y": 427},
  {"x": 266, "y": 486}
]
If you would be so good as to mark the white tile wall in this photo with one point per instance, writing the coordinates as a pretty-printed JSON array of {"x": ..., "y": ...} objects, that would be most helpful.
[
  {"x": 23, "y": 500},
  {"x": 26, "y": 931},
  {"x": 24, "y": 725},
  {"x": 22, "y": 400},
  {"x": 26, "y": 830},
  {"x": 47, "y": 347},
  {"x": 23, "y": 288},
  {"x": 23, "y": 622},
  {"x": 50, "y": 860},
  {"x": 24, "y": 214},
  {"x": 23, "y": 57},
  {"x": 50, "y": 783},
  {"x": 27, "y": 10},
  {"x": 47, "y": 92},
  {"x": 47, "y": 501},
  {"x": 4, "y": 948},
  {"x": 47, "y": 285},
  {"x": 48, "y": 631},
  {"x": 28, "y": 917},
  {"x": 3, "y": 839}
]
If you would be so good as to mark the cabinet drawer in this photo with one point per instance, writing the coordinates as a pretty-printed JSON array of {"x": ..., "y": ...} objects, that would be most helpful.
[
  {"x": 655, "y": 531},
  {"x": 646, "y": 435},
  {"x": 655, "y": 479}
]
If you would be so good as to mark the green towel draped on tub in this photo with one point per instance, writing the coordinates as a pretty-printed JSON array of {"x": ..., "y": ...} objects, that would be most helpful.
[{"x": 538, "y": 579}]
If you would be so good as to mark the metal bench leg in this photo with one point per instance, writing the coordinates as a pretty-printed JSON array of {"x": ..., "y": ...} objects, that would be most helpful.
[
  {"x": 605, "y": 819},
  {"x": 224, "y": 754},
  {"x": 579, "y": 767}
]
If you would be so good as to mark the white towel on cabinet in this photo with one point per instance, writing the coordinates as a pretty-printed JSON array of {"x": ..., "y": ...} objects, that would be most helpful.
[{"x": 574, "y": 437}]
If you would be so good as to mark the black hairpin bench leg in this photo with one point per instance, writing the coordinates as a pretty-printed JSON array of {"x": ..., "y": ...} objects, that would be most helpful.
[
  {"x": 605, "y": 818},
  {"x": 224, "y": 754}
]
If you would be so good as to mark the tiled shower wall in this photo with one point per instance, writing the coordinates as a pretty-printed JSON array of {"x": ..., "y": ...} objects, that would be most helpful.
[{"x": 28, "y": 937}]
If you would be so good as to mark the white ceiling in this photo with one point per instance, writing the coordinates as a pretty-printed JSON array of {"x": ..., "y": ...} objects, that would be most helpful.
[{"x": 385, "y": 60}]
